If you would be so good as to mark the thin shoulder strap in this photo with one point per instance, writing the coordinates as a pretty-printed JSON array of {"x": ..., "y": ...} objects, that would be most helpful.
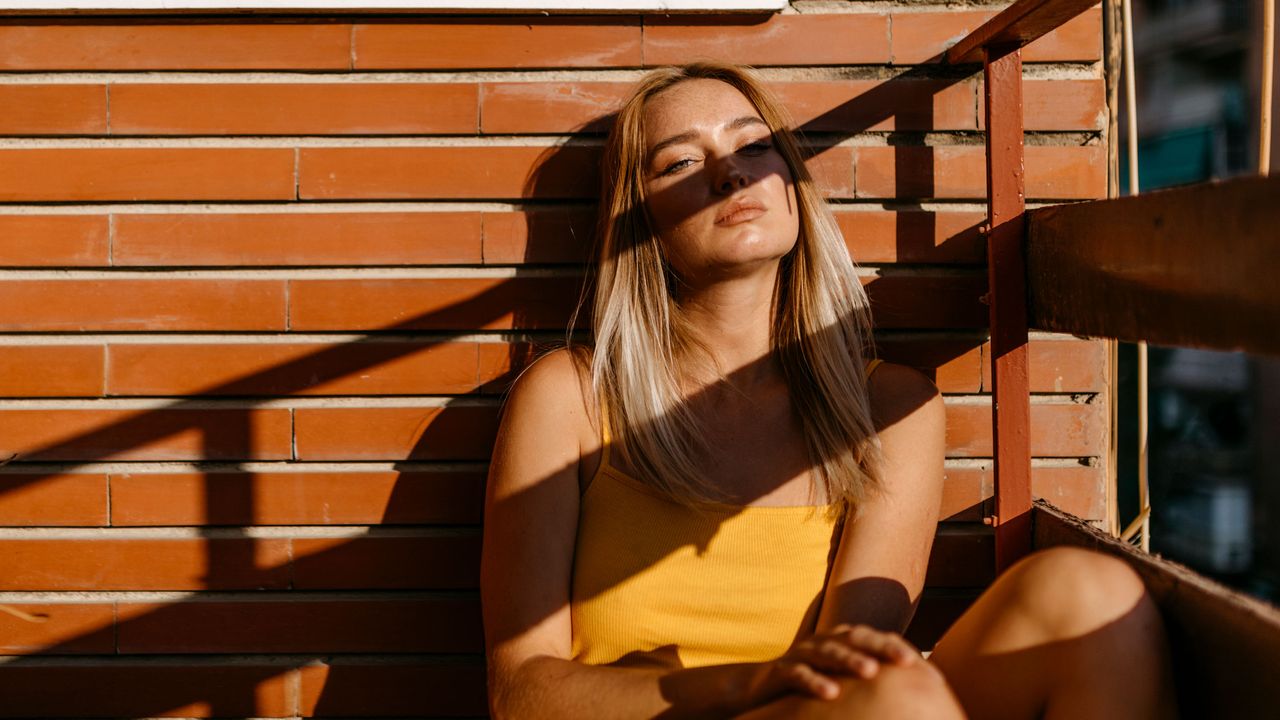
[
  {"x": 871, "y": 367},
  {"x": 605, "y": 437}
]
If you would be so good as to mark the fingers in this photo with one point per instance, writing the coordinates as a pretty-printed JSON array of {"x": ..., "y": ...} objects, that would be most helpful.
[
  {"x": 804, "y": 678},
  {"x": 831, "y": 654},
  {"x": 812, "y": 666},
  {"x": 885, "y": 646}
]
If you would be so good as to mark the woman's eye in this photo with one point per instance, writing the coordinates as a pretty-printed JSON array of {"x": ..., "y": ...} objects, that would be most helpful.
[
  {"x": 757, "y": 147},
  {"x": 676, "y": 166}
]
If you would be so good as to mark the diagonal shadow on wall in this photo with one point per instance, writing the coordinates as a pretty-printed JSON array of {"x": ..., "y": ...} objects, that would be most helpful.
[{"x": 232, "y": 562}]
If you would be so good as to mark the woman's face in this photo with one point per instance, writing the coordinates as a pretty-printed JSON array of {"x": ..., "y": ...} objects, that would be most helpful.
[{"x": 717, "y": 189}]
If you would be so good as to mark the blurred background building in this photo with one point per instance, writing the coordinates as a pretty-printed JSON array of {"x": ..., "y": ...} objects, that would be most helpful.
[{"x": 1214, "y": 417}]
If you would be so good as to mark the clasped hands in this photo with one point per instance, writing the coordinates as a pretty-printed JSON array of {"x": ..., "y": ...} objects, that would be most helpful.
[{"x": 812, "y": 665}]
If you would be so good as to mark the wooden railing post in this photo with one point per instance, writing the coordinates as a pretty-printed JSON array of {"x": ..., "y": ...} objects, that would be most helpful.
[{"x": 1007, "y": 296}]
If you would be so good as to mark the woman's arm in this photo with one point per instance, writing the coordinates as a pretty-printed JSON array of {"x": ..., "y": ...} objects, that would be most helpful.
[
  {"x": 531, "y": 517},
  {"x": 879, "y": 568}
]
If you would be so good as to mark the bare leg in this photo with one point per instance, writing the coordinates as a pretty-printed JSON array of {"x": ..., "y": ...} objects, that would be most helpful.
[
  {"x": 1064, "y": 633},
  {"x": 895, "y": 693}
]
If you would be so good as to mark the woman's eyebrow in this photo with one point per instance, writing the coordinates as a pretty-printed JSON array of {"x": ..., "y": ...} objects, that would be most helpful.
[{"x": 690, "y": 135}]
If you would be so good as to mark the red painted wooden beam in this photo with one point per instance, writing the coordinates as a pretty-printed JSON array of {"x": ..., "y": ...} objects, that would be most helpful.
[
  {"x": 1192, "y": 266},
  {"x": 1016, "y": 26},
  {"x": 1006, "y": 272}
]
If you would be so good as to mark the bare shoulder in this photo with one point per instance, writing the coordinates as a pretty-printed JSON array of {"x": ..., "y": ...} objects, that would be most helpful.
[
  {"x": 548, "y": 401},
  {"x": 559, "y": 377},
  {"x": 901, "y": 395}
]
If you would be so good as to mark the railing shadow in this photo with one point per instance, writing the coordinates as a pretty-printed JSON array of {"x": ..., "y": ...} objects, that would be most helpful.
[{"x": 229, "y": 438}]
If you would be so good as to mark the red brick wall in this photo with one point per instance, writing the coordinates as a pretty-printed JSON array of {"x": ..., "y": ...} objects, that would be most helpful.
[{"x": 265, "y": 278}]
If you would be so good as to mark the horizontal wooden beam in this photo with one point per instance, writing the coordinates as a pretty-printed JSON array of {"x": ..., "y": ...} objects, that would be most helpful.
[
  {"x": 1015, "y": 27},
  {"x": 1193, "y": 266}
]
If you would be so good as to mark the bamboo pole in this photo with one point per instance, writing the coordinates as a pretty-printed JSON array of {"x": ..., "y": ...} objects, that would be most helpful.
[
  {"x": 1268, "y": 68},
  {"x": 1142, "y": 524}
]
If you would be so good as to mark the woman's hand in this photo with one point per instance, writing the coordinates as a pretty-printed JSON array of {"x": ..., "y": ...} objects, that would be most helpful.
[{"x": 812, "y": 665}]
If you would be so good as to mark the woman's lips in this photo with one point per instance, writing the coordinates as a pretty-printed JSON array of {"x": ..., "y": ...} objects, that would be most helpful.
[{"x": 739, "y": 212}]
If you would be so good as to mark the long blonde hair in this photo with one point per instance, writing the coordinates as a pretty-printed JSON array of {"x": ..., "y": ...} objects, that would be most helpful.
[{"x": 821, "y": 331}]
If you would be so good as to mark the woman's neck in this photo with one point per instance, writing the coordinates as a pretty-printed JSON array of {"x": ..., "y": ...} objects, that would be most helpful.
[{"x": 733, "y": 320}]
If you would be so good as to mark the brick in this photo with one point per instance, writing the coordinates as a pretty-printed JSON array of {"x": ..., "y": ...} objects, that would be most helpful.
[
  {"x": 501, "y": 363},
  {"x": 352, "y": 686},
  {"x": 852, "y": 106},
  {"x": 44, "y": 500},
  {"x": 53, "y": 240},
  {"x": 148, "y": 305},
  {"x": 922, "y": 36},
  {"x": 927, "y": 301},
  {"x": 145, "y": 173},
  {"x": 1062, "y": 366},
  {"x": 51, "y": 370},
  {"x": 913, "y": 171},
  {"x": 53, "y": 109},
  {"x": 456, "y": 432},
  {"x": 550, "y": 107},
  {"x": 132, "y": 45},
  {"x": 899, "y": 301},
  {"x": 432, "y": 304},
  {"x": 296, "y": 498},
  {"x": 913, "y": 236},
  {"x": 843, "y": 107},
  {"x": 966, "y": 495},
  {"x": 1057, "y": 430},
  {"x": 538, "y": 236},
  {"x": 444, "y": 624},
  {"x": 154, "y": 434},
  {"x": 447, "y": 172},
  {"x": 115, "y": 687},
  {"x": 63, "y": 629},
  {"x": 497, "y": 42},
  {"x": 435, "y": 562},
  {"x": 832, "y": 170},
  {"x": 817, "y": 39},
  {"x": 144, "y": 564},
  {"x": 302, "y": 239},
  {"x": 1078, "y": 489},
  {"x": 1078, "y": 39},
  {"x": 489, "y": 172},
  {"x": 873, "y": 236},
  {"x": 954, "y": 365},
  {"x": 356, "y": 368},
  {"x": 1062, "y": 105},
  {"x": 294, "y": 109}
]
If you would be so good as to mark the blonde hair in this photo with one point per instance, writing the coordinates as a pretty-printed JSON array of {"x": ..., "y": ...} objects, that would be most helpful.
[{"x": 822, "y": 319}]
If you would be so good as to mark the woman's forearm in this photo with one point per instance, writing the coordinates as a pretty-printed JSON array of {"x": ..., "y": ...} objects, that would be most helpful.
[{"x": 549, "y": 687}]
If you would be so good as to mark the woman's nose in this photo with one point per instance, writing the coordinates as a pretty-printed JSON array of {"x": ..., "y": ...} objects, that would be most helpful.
[{"x": 730, "y": 178}]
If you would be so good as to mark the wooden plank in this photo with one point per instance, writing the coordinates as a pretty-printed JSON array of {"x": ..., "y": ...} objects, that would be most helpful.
[
  {"x": 1011, "y": 406},
  {"x": 1192, "y": 266},
  {"x": 1017, "y": 26},
  {"x": 1225, "y": 645}
]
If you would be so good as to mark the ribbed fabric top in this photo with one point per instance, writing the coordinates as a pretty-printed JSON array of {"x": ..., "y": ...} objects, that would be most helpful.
[{"x": 655, "y": 581}]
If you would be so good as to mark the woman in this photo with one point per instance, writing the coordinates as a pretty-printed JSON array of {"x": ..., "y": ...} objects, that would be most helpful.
[{"x": 723, "y": 508}]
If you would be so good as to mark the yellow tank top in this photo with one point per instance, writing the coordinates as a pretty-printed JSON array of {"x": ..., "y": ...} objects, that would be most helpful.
[{"x": 657, "y": 582}]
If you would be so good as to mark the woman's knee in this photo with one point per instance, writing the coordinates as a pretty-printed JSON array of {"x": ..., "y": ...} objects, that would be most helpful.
[
  {"x": 1073, "y": 590},
  {"x": 912, "y": 691}
]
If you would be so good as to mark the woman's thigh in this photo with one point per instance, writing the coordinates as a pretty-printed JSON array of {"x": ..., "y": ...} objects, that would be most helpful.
[{"x": 909, "y": 692}]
